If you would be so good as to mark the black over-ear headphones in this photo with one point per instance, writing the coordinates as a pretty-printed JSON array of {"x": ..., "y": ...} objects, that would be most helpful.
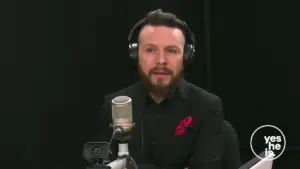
[{"x": 189, "y": 47}]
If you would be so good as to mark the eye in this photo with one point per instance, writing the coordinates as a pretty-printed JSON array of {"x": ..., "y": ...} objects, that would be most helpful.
[
  {"x": 173, "y": 51},
  {"x": 149, "y": 50}
]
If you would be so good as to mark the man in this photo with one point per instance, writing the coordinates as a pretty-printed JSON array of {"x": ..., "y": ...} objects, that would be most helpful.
[{"x": 178, "y": 124}]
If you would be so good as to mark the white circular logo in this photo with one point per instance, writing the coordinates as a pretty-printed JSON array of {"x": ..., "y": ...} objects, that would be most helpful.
[{"x": 266, "y": 141}]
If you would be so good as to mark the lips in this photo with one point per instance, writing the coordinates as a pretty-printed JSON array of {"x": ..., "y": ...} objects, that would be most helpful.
[{"x": 161, "y": 73}]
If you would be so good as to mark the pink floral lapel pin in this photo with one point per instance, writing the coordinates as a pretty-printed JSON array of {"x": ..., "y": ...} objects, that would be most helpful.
[{"x": 183, "y": 125}]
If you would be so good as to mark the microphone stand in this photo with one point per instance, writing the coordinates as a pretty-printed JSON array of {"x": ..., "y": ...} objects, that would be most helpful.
[
  {"x": 123, "y": 137},
  {"x": 120, "y": 162}
]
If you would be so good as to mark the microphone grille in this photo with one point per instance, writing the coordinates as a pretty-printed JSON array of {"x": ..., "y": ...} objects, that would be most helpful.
[
  {"x": 122, "y": 110},
  {"x": 121, "y": 100}
]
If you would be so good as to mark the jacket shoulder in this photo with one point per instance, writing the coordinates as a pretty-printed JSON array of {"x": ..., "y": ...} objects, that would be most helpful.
[
  {"x": 203, "y": 98},
  {"x": 122, "y": 92},
  {"x": 202, "y": 93}
]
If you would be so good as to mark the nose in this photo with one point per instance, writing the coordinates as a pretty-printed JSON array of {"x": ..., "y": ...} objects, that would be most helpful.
[{"x": 161, "y": 58}]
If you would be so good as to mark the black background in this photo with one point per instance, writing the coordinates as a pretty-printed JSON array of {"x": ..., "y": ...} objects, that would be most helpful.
[{"x": 58, "y": 60}]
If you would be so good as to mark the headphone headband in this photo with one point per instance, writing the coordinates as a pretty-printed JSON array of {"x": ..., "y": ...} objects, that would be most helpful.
[
  {"x": 142, "y": 21},
  {"x": 134, "y": 28}
]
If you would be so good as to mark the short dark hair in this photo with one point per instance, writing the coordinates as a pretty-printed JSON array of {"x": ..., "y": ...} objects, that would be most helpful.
[{"x": 160, "y": 18}]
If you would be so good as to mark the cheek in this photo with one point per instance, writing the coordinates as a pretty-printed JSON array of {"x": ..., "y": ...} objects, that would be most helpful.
[
  {"x": 146, "y": 64},
  {"x": 177, "y": 64}
]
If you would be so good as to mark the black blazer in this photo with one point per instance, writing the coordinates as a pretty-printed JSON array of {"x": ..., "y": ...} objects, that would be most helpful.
[{"x": 202, "y": 148}]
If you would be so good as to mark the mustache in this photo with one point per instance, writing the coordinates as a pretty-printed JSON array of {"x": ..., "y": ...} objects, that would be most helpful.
[{"x": 164, "y": 69}]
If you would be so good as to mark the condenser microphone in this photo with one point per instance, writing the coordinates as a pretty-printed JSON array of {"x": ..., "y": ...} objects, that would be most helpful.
[{"x": 122, "y": 122}]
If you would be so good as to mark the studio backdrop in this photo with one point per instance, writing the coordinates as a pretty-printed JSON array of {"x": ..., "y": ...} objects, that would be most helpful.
[{"x": 61, "y": 58}]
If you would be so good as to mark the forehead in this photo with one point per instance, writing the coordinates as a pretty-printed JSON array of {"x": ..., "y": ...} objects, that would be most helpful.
[{"x": 161, "y": 35}]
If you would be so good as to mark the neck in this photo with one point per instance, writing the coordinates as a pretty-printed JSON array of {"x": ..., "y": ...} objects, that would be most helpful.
[
  {"x": 158, "y": 98},
  {"x": 158, "y": 95}
]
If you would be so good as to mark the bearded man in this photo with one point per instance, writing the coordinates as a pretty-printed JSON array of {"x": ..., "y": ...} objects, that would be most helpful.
[{"x": 177, "y": 124}]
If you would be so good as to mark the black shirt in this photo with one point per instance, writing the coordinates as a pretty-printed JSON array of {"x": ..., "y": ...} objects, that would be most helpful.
[{"x": 184, "y": 130}]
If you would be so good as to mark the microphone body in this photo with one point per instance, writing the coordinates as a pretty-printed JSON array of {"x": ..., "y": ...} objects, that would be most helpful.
[
  {"x": 122, "y": 122},
  {"x": 122, "y": 127}
]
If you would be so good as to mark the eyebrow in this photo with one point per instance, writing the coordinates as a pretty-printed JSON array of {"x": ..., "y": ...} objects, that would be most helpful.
[
  {"x": 169, "y": 46},
  {"x": 173, "y": 46}
]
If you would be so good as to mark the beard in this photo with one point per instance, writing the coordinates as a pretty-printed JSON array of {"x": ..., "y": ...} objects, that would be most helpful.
[{"x": 160, "y": 86}]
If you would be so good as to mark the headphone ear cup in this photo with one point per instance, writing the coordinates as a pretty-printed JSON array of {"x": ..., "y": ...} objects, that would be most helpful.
[
  {"x": 188, "y": 55},
  {"x": 188, "y": 52},
  {"x": 133, "y": 51}
]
